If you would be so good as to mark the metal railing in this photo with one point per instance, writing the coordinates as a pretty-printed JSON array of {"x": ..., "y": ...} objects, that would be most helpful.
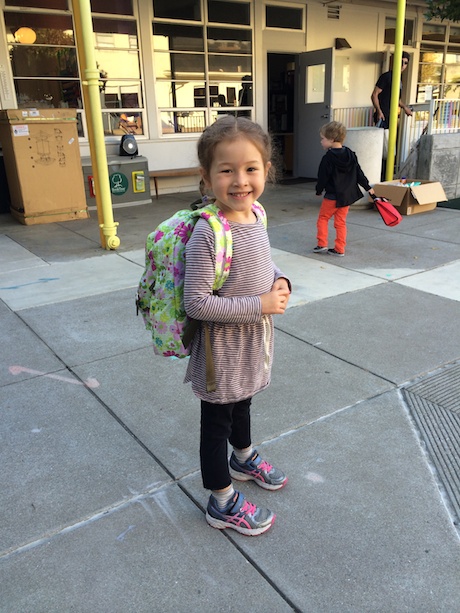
[
  {"x": 354, "y": 117},
  {"x": 444, "y": 117},
  {"x": 433, "y": 117},
  {"x": 412, "y": 128}
]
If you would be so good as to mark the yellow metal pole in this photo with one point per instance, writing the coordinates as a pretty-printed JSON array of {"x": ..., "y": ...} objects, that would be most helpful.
[
  {"x": 395, "y": 89},
  {"x": 89, "y": 125},
  {"x": 91, "y": 94}
]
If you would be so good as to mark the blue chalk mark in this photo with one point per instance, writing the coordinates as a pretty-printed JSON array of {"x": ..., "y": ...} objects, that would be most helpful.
[
  {"x": 121, "y": 537},
  {"x": 42, "y": 280}
]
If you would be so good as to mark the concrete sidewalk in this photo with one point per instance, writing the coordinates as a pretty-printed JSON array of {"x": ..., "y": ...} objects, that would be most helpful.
[{"x": 102, "y": 504}]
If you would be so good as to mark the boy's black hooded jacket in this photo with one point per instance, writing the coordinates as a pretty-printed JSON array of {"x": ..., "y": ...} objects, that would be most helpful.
[{"x": 339, "y": 175}]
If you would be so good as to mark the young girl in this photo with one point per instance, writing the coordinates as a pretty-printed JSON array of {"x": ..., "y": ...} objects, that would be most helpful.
[{"x": 234, "y": 155}]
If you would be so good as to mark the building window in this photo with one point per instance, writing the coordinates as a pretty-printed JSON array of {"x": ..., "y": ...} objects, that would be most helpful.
[
  {"x": 43, "y": 59},
  {"x": 189, "y": 10},
  {"x": 202, "y": 68},
  {"x": 114, "y": 7},
  {"x": 117, "y": 56},
  {"x": 390, "y": 31},
  {"x": 39, "y": 4},
  {"x": 439, "y": 73},
  {"x": 220, "y": 11},
  {"x": 283, "y": 17},
  {"x": 434, "y": 32},
  {"x": 45, "y": 66}
]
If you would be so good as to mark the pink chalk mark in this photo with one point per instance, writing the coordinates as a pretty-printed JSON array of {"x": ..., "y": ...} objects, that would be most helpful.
[{"x": 91, "y": 382}]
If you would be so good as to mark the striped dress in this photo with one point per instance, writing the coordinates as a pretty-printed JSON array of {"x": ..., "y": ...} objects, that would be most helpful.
[{"x": 241, "y": 337}]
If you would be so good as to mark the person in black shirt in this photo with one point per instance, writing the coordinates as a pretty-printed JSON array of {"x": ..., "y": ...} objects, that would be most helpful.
[{"x": 381, "y": 96}]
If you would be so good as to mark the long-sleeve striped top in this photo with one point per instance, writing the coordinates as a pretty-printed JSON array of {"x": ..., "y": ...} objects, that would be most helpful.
[{"x": 241, "y": 337}]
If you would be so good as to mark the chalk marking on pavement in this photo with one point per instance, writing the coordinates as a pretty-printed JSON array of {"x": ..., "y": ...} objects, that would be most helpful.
[
  {"x": 42, "y": 280},
  {"x": 314, "y": 477},
  {"x": 91, "y": 382},
  {"x": 121, "y": 537},
  {"x": 78, "y": 524}
]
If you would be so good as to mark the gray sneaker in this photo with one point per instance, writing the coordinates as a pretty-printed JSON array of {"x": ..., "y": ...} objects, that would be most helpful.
[
  {"x": 336, "y": 253},
  {"x": 258, "y": 470},
  {"x": 319, "y": 249},
  {"x": 240, "y": 515}
]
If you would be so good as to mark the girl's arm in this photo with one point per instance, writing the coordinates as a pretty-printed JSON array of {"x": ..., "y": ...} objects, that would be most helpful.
[
  {"x": 275, "y": 302},
  {"x": 199, "y": 301},
  {"x": 281, "y": 281}
]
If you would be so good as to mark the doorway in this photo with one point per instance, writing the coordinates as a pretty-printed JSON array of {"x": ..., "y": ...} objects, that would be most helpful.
[
  {"x": 312, "y": 104},
  {"x": 281, "y": 73},
  {"x": 299, "y": 103}
]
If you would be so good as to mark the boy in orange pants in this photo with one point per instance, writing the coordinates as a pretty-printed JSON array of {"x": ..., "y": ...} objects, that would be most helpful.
[{"x": 339, "y": 176}]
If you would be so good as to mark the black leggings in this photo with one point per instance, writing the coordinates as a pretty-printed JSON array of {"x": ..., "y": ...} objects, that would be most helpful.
[{"x": 221, "y": 423}]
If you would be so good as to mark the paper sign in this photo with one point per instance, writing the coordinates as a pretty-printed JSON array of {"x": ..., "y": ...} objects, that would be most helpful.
[{"x": 21, "y": 130}]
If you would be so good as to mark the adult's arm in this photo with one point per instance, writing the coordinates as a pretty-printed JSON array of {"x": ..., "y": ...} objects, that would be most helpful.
[{"x": 375, "y": 101}]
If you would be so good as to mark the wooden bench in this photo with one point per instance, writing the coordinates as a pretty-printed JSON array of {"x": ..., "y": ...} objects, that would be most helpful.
[{"x": 175, "y": 172}]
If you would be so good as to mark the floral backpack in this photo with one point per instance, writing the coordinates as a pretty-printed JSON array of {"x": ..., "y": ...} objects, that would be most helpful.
[{"x": 160, "y": 295}]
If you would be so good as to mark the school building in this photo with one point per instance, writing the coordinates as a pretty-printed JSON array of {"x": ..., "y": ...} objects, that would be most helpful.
[{"x": 168, "y": 68}]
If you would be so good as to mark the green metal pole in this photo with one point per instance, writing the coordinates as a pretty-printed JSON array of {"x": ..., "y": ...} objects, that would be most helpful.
[
  {"x": 91, "y": 94},
  {"x": 395, "y": 89}
]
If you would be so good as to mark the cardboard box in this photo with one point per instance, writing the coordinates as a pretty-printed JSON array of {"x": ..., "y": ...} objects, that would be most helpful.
[
  {"x": 43, "y": 165},
  {"x": 411, "y": 200}
]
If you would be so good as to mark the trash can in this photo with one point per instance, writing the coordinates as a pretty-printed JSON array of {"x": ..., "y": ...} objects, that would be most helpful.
[
  {"x": 43, "y": 165},
  {"x": 128, "y": 177},
  {"x": 367, "y": 143}
]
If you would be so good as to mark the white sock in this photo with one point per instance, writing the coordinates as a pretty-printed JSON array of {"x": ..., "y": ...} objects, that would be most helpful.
[
  {"x": 242, "y": 455},
  {"x": 223, "y": 497}
]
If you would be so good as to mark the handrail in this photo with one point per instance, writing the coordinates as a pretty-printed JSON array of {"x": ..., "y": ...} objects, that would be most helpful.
[{"x": 438, "y": 116}]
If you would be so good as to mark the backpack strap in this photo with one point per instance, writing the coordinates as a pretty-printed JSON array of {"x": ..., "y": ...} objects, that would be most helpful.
[
  {"x": 210, "y": 371},
  {"x": 223, "y": 241},
  {"x": 260, "y": 212}
]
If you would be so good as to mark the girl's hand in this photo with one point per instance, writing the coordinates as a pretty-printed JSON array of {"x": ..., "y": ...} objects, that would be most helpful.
[
  {"x": 275, "y": 302},
  {"x": 281, "y": 283}
]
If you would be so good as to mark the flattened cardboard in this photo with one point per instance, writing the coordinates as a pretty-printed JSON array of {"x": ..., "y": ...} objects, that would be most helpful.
[
  {"x": 37, "y": 115},
  {"x": 43, "y": 165},
  {"x": 412, "y": 200},
  {"x": 428, "y": 192}
]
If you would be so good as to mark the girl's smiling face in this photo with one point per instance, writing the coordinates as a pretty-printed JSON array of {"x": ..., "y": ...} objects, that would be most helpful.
[{"x": 237, "y": 178}]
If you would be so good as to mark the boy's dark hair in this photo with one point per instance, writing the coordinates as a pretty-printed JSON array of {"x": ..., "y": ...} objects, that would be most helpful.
[
  {"x": 405, "y": 56},
  {"x": 334, "y": 131}
]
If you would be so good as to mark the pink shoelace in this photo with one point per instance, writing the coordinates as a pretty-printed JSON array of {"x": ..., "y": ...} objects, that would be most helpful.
[
  {"x": 248, "y": 507},
  {"x": 265, "y": 466}
]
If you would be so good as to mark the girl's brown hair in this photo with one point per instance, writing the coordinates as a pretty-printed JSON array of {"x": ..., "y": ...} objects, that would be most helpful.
[{"x": 230, "y": 128}]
